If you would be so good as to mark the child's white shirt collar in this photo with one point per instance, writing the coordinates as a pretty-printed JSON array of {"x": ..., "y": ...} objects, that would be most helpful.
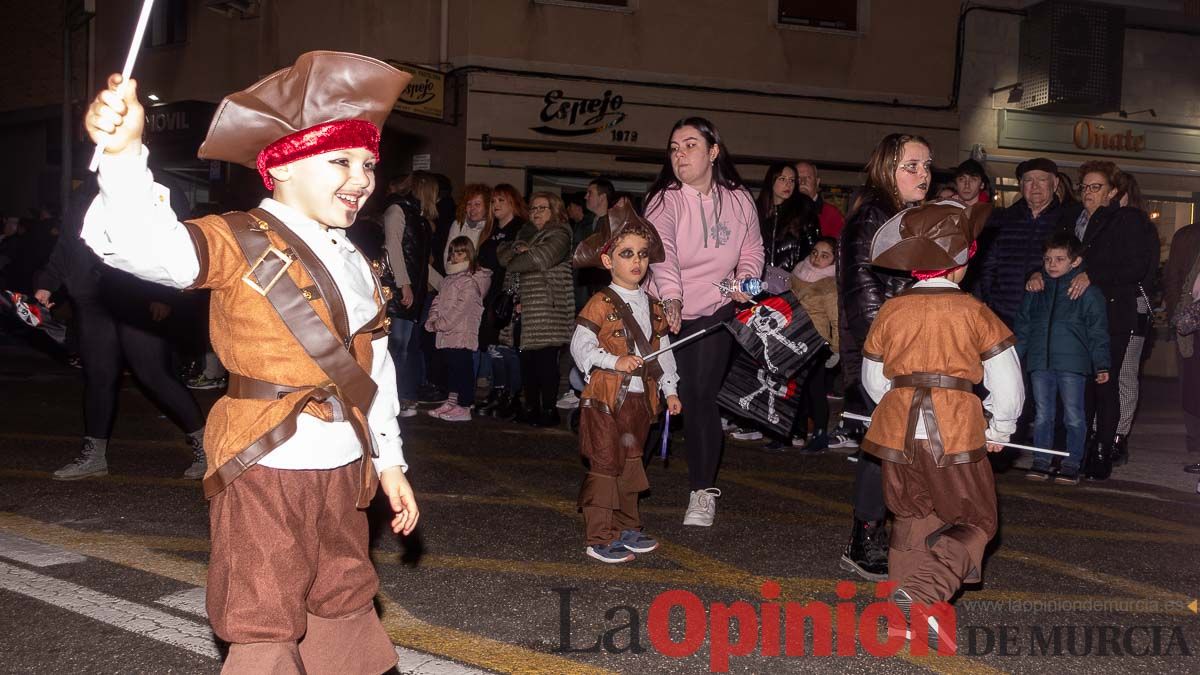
[{"x": 936, "y": 282}]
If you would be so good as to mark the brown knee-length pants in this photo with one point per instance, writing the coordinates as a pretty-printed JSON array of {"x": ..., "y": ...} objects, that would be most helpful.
[
  {"x": 290, "y": 580},
  {"x": 945, "y": 517},
  {"x": 612, "y": 445}
]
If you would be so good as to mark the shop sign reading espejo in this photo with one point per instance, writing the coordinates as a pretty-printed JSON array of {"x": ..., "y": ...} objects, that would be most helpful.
[
  {"x": 424, "y": 95},
  {"x": 563, "y": 115}
]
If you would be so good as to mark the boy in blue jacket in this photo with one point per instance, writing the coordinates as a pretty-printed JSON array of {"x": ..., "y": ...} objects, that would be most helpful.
[{"x": 1062, "y": 342}]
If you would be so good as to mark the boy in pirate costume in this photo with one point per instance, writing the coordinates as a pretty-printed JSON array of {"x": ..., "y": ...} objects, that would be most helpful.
[
  {"x": 927, "y": 349},
  {"x": 307, "y": 430},
  {"x": 618, "y": 326}
]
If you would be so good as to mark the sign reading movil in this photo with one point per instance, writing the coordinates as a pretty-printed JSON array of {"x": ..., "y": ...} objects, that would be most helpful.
[
  {"x": 1045, "y": 133},
  {"x": 563, "y": 115}
]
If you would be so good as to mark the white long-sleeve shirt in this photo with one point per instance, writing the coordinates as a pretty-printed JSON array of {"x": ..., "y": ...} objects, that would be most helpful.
[
  {"x": 1001, "y": 377},
  {"x": 588, "y": 354},
  {"x": 131, "y": 226}
]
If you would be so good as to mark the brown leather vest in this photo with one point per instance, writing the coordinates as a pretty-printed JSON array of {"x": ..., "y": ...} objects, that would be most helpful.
[
  {"x": 257, "y": 347},
  {"x": 607, "y": 316}
]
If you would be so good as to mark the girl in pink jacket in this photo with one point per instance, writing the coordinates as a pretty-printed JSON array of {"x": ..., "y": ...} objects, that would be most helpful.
[
  {"x": 709, "y": 228},
  {"x": 455, "y": 316}
]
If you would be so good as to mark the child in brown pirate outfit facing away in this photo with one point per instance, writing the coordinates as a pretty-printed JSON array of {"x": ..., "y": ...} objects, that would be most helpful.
[
  {"x": 618, "y": 326},
  {"x": 926, "y": 351},
  {"x": 307, "y": 430}
]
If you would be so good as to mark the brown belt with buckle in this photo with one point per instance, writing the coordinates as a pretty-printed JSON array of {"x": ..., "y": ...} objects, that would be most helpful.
[{"x": 922, "y": 407}]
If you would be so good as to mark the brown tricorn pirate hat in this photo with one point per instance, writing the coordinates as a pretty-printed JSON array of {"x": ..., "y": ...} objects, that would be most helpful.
[
  {"x": 321, "y": 88},
  {"x": 935, "y": 236},
  {"x": 622, "y": 219}
]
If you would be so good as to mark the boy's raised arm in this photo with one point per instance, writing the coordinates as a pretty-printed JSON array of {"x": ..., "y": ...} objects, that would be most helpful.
[{"x": 130, "y": 225}]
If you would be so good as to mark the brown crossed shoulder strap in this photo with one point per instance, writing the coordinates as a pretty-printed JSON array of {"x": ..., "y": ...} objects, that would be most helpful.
[
  {"x": 351, "y": 384},
  {"x": 632, "y": 329},
  {"x": 320, "y": 275}
]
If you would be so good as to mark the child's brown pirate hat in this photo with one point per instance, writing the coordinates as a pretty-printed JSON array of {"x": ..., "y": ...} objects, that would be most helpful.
[
  {"x": 325, "y": 101},
  {"x": 622, "y": 219},
  {"x": 935, "y": 236}
]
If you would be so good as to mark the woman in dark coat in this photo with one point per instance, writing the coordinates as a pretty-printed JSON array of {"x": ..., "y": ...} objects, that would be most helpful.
[
  {"x": 1119, "y": 252},
  {"x": 789, "y": 219}
]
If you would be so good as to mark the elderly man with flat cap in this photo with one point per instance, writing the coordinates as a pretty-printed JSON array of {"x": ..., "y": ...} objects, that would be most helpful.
[
  {"x": 307, "y": 430},
  {"x": 1015, "y": 235}
]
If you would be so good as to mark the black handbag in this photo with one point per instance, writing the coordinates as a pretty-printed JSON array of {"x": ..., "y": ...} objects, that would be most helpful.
[{"x": 504, "y": 307}]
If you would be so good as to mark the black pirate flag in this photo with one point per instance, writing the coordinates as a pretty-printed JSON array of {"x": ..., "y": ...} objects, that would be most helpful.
[
  {"x": 778, "y": 334},
  {"x": 752, "y": 392}
]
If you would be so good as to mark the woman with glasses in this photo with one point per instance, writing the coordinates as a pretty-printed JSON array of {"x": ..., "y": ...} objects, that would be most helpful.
[
  {"x": 539, "y": 258},
  {"x": 898, "y": 175},
  {"x": 709, "y": 227},
  {"x": 1120, "y": 247}
]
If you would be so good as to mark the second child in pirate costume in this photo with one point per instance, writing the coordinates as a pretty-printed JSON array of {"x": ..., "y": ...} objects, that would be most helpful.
[
  {"x": 925, "y": 352},
  {"x": 617, "y": 327},
  {"x": 307, "y": 430}
]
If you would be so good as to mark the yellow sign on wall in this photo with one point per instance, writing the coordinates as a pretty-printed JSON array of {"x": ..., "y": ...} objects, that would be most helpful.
[{"x": 425, "y": 94}]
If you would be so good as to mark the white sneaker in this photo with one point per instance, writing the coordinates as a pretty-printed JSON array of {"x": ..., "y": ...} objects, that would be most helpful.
[
  {"x": 407, "y": 409},
  {"x": 568, "y": 401},
  {"x": 702, "y": 507},
  {"x": 746, "y": 434}
]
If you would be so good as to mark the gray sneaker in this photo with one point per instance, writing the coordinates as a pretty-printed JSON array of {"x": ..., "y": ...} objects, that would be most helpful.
[
  {"x": 199, "y": 464},
  {"x": 90, "y": 463},
  {"x": 702, "y": 507}
]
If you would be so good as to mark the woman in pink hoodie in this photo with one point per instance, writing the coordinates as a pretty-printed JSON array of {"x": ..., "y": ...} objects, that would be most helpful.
[
  {"x": 710, "y": 232},
  {"x": 455, "y": 316}
]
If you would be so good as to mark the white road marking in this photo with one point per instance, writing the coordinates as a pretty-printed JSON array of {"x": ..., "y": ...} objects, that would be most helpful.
[
  {"x": 34, "y": 553},
  {"x": 145, "y": 620},
  {"x": 190, "y": 601},
  {"x": 114, "y": 611}
]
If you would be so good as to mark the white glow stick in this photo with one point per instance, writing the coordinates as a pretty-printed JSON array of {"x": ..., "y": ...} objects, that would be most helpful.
[
  {"x": 130, "y": 58},
  {"x": 1060, "y": 453}
]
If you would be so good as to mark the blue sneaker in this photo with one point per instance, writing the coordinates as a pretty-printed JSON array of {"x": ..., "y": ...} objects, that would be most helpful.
[
  {"x": 637, "y": 542},
  {"x": 610, "y": 553}
]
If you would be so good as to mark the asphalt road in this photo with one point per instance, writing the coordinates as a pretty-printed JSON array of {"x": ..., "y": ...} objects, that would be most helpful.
[{"x": 107, "y": 575}]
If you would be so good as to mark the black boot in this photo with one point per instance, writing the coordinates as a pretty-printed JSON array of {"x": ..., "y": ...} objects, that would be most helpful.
[
  {"x": 1120, "y": 451},
  {"x": 867, "y": 553},
  {"x": 548, "y": 418},
  {"x": 1100, "y": 462},
  {"x": 488, "y": 407},
  {"x": 510, "y": 408}
]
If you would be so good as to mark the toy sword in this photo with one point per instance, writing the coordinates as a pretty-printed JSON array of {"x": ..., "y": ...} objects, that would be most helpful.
[
  {"x": 1060, "y": 453},
  {"x": 685, "y": 340}
]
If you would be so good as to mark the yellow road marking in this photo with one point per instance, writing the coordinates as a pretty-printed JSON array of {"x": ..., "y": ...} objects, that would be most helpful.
[
  {"x": 1098, "y": 510},
  {"x": 707, "y": 568}
]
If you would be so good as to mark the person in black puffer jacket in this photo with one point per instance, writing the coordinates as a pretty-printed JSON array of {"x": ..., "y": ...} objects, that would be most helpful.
[
  {"x": 789, "y": 219},
  {"x": 1010, "y": 246},
  {"x": 898, "y": 175}
]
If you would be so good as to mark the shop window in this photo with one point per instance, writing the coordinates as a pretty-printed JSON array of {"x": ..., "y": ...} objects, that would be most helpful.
[
  {"x": 168, "y": 23},
  {"x": 610, "y": 5},
  {"x": 829, "y": 15}
]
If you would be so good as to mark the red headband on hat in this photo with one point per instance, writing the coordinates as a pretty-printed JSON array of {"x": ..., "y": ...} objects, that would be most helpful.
[
  {"x": 922, "y": 275},
  {"x": 339, "y": 135}
]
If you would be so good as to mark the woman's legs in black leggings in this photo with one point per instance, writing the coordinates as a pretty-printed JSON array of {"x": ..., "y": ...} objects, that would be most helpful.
[
  {"x": 149, "y": 357},
  {"x": 702, "y": 365},
  {"x": 100, "y": 352},
  {"x": 539, "y": 372}
]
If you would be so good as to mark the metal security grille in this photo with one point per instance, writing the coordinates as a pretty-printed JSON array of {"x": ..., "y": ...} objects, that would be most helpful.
[{"x": 1072, "y": 57}]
